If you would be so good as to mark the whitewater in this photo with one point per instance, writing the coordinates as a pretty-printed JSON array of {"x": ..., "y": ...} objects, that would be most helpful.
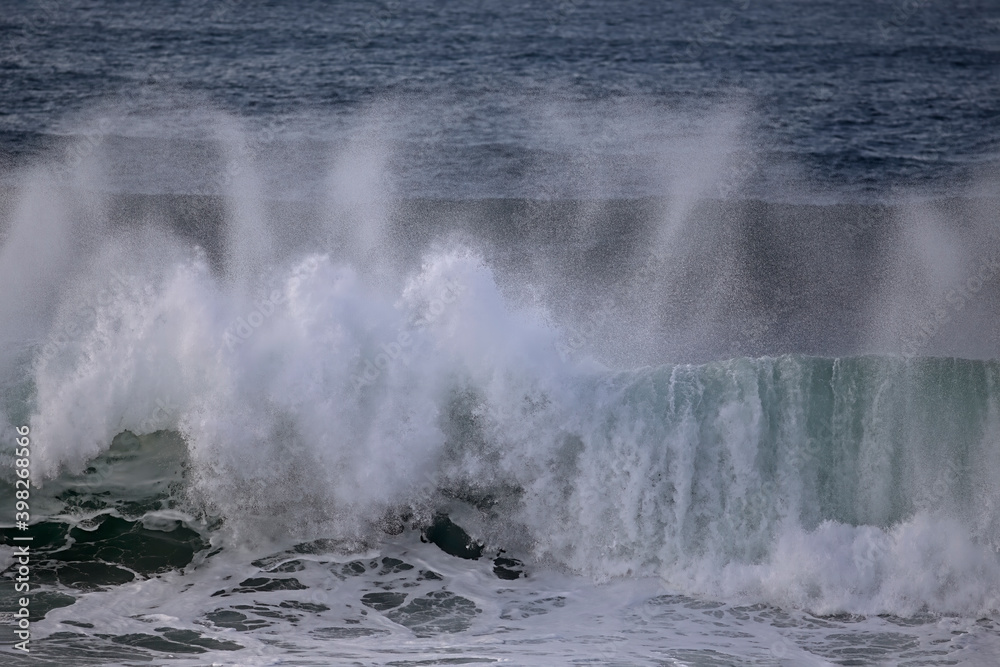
[{"x": 265, "y": 433}]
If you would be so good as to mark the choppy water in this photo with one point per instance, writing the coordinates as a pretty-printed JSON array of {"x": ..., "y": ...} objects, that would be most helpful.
[{"x": 854, "y": 96}]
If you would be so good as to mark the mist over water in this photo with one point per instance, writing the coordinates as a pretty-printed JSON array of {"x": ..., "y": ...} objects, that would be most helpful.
[{"x": 633, "y": 366}]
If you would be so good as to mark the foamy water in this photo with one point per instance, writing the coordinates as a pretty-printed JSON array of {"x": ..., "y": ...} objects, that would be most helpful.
[{"x": 242, "y": 448}]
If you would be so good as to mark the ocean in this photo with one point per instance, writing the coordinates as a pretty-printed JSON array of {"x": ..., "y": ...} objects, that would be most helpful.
[{"x": 568, "y": 333}]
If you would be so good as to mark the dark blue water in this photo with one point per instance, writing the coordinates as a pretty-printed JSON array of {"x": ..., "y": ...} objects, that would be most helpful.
[{"x": 848, "y": 96}]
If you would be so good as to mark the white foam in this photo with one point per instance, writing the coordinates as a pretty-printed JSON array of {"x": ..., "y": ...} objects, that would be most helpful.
[{"x": 317, "y": 394}]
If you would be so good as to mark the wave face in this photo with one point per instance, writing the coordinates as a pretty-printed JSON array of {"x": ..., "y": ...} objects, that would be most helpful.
[
  {"x": 857, "y": 484},
  {"x": 313, "y": 404}
]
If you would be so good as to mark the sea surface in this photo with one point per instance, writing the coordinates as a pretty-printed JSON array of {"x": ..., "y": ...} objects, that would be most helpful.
[{"x": 565, "y": 333}]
